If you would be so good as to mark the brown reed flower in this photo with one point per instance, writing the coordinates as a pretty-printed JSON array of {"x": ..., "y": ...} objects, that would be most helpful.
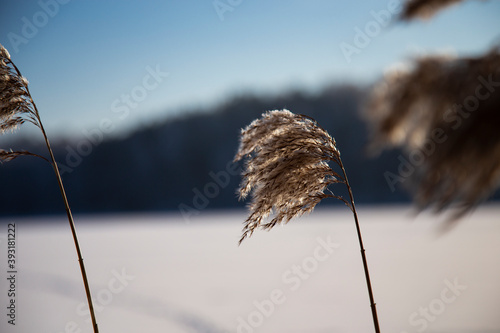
[
  {"x": 287, "y": 171},
  {"x": 15, "y": 103},
  {"x": 424, "y": 9},
  {"x": 445, "y": 112},
  {"x": 286, "y": 168}
]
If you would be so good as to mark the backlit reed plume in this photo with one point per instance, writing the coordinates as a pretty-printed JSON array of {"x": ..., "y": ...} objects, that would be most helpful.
[
  {"x": 446, "y": 113},
  {"x": 424, "y": 9},
  {"x": 287, "y": 173},
  {"x": 17, "y": 107}
]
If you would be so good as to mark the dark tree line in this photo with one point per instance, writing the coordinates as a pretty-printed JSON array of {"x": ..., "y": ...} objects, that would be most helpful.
[{"x": 186, "y": 162}]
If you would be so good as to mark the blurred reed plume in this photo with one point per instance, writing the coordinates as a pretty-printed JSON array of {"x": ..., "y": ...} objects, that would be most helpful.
[
  {"x": 424, "y": 9},
  {"x": 17, "y": 107},
  {"x": 445, "y": 113},
  {"x": 287, "y": 171}
]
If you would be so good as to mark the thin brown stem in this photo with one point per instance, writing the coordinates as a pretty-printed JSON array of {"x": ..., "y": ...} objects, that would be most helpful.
[
  {"x": 38, "y": 122},
  {"x": 361, "y": 246},
  {"x": 73, "y": 231}
]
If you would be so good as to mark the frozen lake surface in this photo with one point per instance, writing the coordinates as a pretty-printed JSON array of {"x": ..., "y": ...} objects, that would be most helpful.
[{"x": 157, "y": 273}]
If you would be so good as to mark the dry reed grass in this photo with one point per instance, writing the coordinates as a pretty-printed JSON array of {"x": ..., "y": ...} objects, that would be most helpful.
[
  {"x": 424, "y": 9},
  {"x": 15, "y": 104},
  {"x": 17, "y": 107},
  {"x": 286, "y": 169},
  {"x": 459, "y": 98}
]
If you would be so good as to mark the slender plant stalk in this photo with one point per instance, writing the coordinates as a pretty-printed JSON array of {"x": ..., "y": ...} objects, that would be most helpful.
[
  {"x": 73, "y": 230},
  {"x": 38, "y": 122},
  {"x": 362, "y": 248}
]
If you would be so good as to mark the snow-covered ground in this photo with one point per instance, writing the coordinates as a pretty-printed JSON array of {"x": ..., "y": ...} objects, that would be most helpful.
[{"x": 157, "y": 273}]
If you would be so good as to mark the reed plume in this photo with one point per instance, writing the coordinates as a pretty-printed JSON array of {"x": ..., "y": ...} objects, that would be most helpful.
[
  {"x": 17, "y": 107},
  {"x": 287, "y": 169},
  {"x": 287, "y": 172},
  {"x": 446, "y": 111},
  {"x": 424, "y": 9}
]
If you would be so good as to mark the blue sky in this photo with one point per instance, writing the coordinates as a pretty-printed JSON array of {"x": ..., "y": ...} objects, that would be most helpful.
[{"x": 121, "y": 64}]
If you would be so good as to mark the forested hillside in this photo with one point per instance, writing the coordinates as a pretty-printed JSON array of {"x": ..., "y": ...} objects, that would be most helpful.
[{"x": 185, "y": 163}]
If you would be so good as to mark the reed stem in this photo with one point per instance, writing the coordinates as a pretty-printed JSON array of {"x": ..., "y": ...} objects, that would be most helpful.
[
  {"x": 362, "y": 248},
  {"x": 66, "y": 204},
  {"x": 73, "y": 231}
]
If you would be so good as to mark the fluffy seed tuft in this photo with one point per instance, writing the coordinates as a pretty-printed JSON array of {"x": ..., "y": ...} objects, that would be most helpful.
[
  {"x": 286, "y": 167},
  {"x": 15, "y": 102},
  {"x": 424, "y": 9},
  {"x": 445, "y": 112}
]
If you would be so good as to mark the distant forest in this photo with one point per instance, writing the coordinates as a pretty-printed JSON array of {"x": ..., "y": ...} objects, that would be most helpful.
[{"x": 185, "y": 163}]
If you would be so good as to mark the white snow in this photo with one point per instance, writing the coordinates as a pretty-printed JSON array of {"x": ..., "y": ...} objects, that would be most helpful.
[{"x": 156, "y": 273}]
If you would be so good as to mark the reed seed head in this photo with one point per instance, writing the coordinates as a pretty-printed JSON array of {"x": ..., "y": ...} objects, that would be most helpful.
[
  {"x": 445, "y": 113},
  {"x": 286, "y": 169},
  {"x": 15, "y": 102},
  {"x": 424, "y": 9},
  {"x": 4, "y": 53}
]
